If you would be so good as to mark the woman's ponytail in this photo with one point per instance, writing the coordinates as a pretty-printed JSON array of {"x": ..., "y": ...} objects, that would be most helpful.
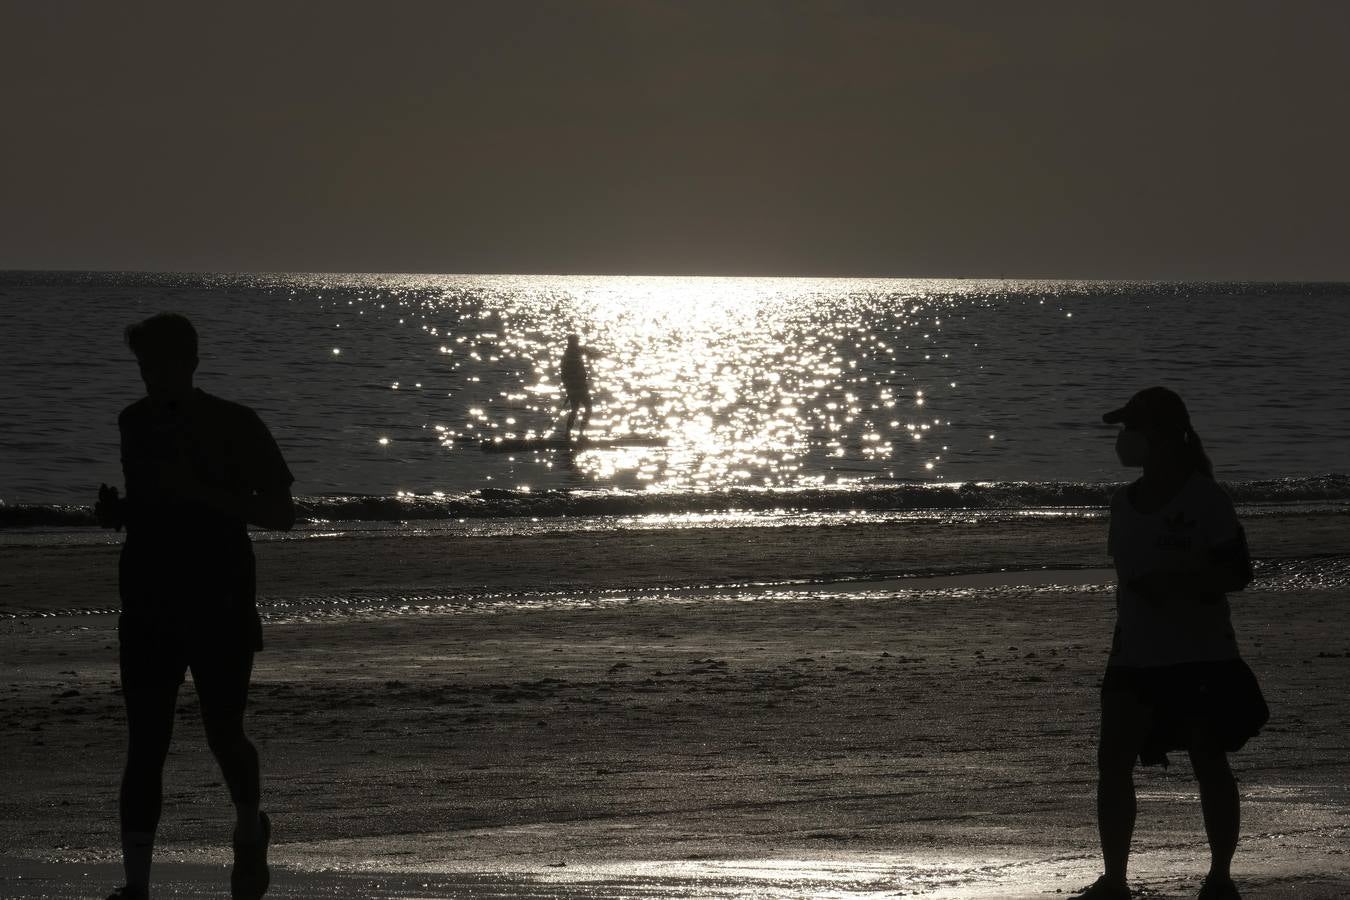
[{"x": 1195, "y": 453}]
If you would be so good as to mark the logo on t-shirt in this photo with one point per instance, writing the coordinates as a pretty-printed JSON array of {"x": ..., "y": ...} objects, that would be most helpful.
[{"x": 1180, "y": 532}]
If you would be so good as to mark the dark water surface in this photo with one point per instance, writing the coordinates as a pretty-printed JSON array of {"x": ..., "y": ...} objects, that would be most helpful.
[{"x": 818, "y": 393}]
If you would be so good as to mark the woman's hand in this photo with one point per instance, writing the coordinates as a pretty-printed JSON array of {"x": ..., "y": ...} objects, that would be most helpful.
[
  {"x": 1156, "y": 587},
  {"x": 1203, "y": 586}
]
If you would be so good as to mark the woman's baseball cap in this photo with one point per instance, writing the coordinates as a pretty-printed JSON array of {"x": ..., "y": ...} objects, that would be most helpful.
[{"x": 1155, "y": 406}]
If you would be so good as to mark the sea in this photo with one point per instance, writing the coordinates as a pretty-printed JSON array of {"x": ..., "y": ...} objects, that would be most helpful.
[{"x": 411, "y": 400}]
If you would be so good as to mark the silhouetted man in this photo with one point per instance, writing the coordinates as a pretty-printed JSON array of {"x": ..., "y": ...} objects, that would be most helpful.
[
  {"x": 198, "y": 469},
  {"x": 576, "y": 384}
]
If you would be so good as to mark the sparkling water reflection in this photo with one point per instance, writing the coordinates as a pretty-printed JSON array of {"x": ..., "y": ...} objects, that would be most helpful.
[
  {"x": 381, "y": 384},
  {"x": 748, "y": 382}
]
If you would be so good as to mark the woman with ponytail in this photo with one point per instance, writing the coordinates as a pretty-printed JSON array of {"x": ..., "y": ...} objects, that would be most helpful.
[{"x": 1174, "y": 679}]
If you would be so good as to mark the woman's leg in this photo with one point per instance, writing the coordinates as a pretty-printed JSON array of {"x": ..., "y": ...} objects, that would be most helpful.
[
  {"x": 1218, "y": 802},
  {"x": 1125, "y": 722}
]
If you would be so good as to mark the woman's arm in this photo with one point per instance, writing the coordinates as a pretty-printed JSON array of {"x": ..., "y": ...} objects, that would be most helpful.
[
  {"x": 1213, "y": 579},
  {"x": 1229, "y": 569}
]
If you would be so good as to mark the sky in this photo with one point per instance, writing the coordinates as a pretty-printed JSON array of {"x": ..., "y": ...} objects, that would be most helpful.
[{"x": 1010, "y": 138}]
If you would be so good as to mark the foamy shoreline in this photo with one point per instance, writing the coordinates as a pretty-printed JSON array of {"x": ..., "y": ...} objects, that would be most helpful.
[{"x": 44, "y": 577}]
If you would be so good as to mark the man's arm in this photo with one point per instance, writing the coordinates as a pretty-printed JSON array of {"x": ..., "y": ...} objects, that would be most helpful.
[
  {"x": 272, "y": 508},
  {"x": 270, "y": 505}
]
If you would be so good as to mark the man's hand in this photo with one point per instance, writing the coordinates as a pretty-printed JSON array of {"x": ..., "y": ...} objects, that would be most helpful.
[{"x": 110, "y": 510}]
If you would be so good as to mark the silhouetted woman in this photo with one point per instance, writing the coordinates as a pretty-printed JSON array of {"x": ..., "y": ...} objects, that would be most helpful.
[{"x": 1174, "y": 680}]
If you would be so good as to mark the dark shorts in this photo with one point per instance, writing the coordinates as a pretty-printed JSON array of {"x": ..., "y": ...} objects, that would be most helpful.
[
  {"x": 578, "y": 394},
  {"x": 154, "y": 652},
  {"x": 1221, "y": 699}
]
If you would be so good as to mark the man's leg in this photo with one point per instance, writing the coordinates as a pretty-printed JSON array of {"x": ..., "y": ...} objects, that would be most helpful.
[
  {"x": 1219, "y": 803},
  {"x": 150, "y": 712},
  {"x": 222, "y": 687},
  {"x": 571, "y": 417},
  {"x": 586, "y": 413},
  {"x": 222, "y": 682}
]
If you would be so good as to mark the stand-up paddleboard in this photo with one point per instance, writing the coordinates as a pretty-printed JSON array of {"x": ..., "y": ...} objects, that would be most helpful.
[{"x": 521, "y": 445}]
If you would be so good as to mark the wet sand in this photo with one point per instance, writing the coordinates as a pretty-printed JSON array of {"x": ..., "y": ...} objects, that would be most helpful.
[{"x": 621, "y": 715}]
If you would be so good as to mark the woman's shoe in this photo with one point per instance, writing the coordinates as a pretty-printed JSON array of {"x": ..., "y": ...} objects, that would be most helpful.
[
  {"x": 1105, "y": 889},
  {"x": 127, "y": 892},
  {"x": 1218, "y": 889}
]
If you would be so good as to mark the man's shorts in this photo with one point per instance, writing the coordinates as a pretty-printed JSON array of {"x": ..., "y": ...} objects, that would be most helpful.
[{"x": 157, "y": 652}]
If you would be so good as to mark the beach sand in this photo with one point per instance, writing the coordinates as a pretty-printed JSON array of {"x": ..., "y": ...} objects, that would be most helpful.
[{"x": 723, "y": 712}]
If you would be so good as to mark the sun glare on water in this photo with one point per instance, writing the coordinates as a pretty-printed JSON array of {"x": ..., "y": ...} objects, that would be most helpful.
[
  {"x": 743, "y": 379},
  {"x": 698, "y": 384}
]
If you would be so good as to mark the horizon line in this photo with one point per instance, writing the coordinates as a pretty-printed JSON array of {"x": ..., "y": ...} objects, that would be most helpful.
[{"x": 676, "y": 274}]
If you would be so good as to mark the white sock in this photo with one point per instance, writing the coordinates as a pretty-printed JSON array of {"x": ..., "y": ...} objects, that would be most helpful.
[{"x": 137, "y": 849}]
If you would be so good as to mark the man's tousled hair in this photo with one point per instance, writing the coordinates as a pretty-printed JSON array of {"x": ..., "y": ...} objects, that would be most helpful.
[{"x": 164, "y": 335}]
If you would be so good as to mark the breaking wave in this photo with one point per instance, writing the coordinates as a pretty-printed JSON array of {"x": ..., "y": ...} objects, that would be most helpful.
[{"x": 492, "y": 503}]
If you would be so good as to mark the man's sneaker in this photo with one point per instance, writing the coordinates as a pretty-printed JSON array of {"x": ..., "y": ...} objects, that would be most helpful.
[
  {"x": 249, "y": 877},
  {"x": 1218, "y": 889},
  {"x": 127, "y": 892},
  {"x": 1105, "y": 889}
]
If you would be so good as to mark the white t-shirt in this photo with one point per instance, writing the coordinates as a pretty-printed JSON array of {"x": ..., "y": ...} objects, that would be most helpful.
[{"x": 1181, "y": 537}]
